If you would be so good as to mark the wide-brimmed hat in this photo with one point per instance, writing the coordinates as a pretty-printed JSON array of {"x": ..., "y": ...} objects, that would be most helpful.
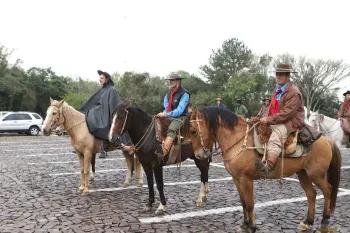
[
  {"x": 281, "y": 68},
  {"x": 174, "y": 76},
  {"x": 218, "y": 99},
  {"x": 348, "y": 92},
  {"x": 266, "y": 98},
  {"x": 104, "y": 73}
]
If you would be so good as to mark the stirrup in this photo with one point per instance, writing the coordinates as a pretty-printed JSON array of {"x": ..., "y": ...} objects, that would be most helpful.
[{"x": 159, "y": 151}]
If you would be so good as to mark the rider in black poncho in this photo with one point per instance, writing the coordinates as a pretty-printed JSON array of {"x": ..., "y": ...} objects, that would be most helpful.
[{"x": 99, "y": 109}]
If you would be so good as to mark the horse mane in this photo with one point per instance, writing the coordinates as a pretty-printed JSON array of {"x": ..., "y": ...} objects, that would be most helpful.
[
  {"x": 213, "y": 114},
  {"x": 134, "y": 109}
]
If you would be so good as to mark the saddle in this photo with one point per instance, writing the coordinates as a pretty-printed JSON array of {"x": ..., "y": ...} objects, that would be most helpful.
[
  {"x": 161, "y": 126},
  {"x": 297, "y": 143}
]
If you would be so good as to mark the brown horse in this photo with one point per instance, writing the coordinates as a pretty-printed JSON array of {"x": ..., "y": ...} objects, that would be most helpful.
[
  {"x": 322, "y": 166},
  {"x": 85, "y": 144}
]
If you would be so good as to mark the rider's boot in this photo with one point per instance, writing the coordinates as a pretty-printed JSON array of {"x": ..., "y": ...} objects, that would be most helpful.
[{"x": 164, "y": 148}]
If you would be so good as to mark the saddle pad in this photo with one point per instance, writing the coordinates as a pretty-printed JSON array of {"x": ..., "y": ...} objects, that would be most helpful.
[{"x": 300, "y": 150}]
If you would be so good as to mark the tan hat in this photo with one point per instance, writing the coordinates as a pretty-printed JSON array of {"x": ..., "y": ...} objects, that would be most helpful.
[{"x": 281, "y": 68}]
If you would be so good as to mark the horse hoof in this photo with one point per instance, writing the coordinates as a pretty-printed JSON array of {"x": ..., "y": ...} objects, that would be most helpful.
[
  {"x": 303, "y": 227},
  {"x": 243, "y": 229},
  {"x": 84, "y": 193},
  {"x": 139, "y": 184},
  {"x": 159, "y": 212},
  {"x": 80, "y": 189},
  {"x": 92, "y": 178},
  {"x": 204, "y": 199},
  {"x": 199, "y": 203},
  {"x": 126, "y": 185},
  {"x": 323, "y": 228}
]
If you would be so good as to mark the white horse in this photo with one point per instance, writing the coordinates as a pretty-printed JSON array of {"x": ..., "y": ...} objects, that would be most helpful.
[{"x": 328, "y": 126}]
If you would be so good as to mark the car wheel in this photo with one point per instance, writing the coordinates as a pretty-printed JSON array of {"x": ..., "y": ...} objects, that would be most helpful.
[{"x": 34, "y": 130}]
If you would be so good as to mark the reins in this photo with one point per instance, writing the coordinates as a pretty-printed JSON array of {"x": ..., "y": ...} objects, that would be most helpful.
[{"x": 142, "y": 141}]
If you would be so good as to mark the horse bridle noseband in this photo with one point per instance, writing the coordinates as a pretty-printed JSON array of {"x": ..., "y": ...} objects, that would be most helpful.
[{"x": 199, "y": 133}]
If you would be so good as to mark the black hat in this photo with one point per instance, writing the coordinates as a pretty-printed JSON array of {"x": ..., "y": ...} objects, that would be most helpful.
[
  {"x": 174, "y": 76},
  {"x": 104, "y": 73},
  {"x": 348, "y": 92}
]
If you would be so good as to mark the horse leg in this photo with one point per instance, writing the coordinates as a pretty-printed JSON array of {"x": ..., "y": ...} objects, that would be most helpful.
[
  {"x": 87, "y": 161},
  {"x": 246, "y": 187},
  {"x": 158, "y": 173},
  {"x": 245, "y": 212},
  {"x": 326, "y": 189},
  {"x": 129, "y": 165},
  {"x": 138, "y": 171},
  {"x": 149, "y": 173},
  {"x": 310, "y": 192},
  {"x": 203, "y": 166},
  {"x": 93, "y": 161},
  {"x": 82, "y": 181}
]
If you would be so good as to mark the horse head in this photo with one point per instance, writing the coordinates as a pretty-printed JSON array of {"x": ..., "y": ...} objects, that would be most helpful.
[
  {"x": 54, "y": 116},
  {"x": 203, "y": 125},
  {"x": 121, "y": 121},
  {"x": 315, "y": 119}
]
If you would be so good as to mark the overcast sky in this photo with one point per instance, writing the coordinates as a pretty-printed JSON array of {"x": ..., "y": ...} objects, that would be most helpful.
[{"x": 76, "y": 38}]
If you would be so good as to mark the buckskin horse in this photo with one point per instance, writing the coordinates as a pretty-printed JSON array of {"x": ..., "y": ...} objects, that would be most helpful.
[
  {"x": 140, "y": 127},
  {"x": 85, "y": 144},
  {"x": 322, "y": 166}
]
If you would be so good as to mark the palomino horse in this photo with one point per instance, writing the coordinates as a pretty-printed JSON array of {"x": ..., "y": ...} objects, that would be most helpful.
[
  {"x": 328, "y": 126},
  {"x": 131, "y": 161},
  {"x": 84, "y": 143},
  {"x": 322, "y": 166},
  {"x": 140, "y": 127}
]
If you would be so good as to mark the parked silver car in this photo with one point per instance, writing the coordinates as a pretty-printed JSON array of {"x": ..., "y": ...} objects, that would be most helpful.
[{"x": 21, "y": 122}]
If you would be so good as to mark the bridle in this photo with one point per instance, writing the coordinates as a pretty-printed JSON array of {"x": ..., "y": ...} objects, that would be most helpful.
[
  {"x": 243, "y": 147},
  {"x": 142, "y": 141},
  {"x": 57, "y": 122},
  {"x": 207, "y": 152},
  {"x": 126, "y": 118},
  {"x": 318, "y": 124}
]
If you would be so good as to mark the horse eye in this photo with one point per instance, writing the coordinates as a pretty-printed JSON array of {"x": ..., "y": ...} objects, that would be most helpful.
[
  {"x": 193, "y": 132},
  {"x": 54, "y": 113}
]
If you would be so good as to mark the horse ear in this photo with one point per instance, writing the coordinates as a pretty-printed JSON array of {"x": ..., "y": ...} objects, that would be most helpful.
[
  {"x": 61, "y": 102},
  {"x": 51, "y": 100}
]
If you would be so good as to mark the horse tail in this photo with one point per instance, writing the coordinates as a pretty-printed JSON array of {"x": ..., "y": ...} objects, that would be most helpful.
[{"x": 333, "y": 174}]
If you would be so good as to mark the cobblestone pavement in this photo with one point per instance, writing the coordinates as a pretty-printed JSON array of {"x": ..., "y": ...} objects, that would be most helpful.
[{"x": 39, "y": 178}]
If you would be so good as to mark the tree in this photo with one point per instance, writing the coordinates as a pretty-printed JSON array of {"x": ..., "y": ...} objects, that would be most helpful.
[
  {"x": 80, "y": 91},
  {"x": 192, "y": 83},
  {"x": 142, "y": 90},
  {"x": 230, "y": 59},
  {"x": 316, "y": 79}
]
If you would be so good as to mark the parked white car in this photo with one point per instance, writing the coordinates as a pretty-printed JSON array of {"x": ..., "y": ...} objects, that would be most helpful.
[
  {"x": 21, "y": 122},
  {"x": 3, "y": 113}
]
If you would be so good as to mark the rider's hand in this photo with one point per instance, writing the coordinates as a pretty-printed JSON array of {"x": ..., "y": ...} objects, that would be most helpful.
[
  {"x": 162, "y": 114},
  {"x": 263, "y": 120}
]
